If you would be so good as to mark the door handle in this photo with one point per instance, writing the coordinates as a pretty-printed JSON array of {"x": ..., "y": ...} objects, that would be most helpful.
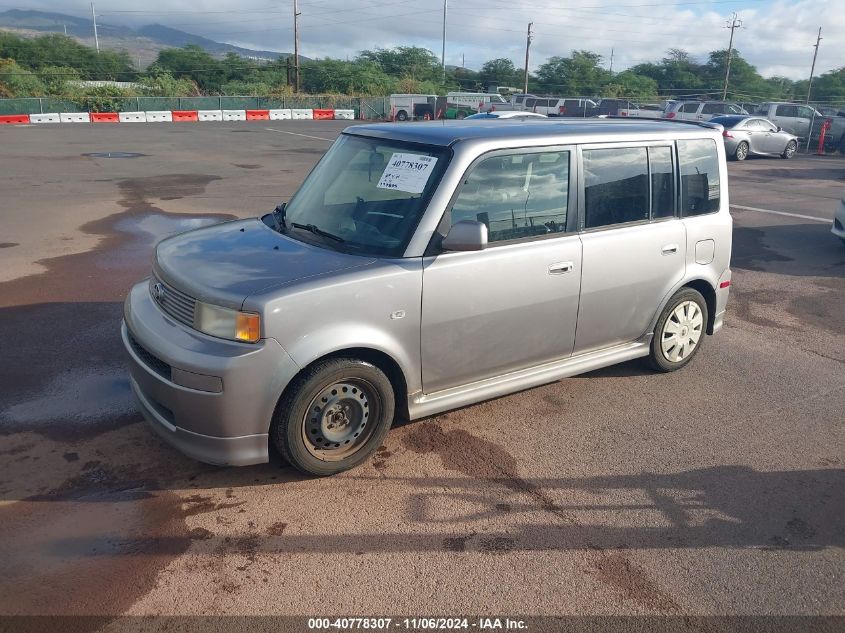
[
  {"x": 561, "y": 267},
  {"x": 670, "y": 249}
]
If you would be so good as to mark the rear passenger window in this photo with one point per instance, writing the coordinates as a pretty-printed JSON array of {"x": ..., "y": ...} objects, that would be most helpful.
[
  {"x": 517, "y": 195},
  {"x": 699, "y": 166},
  {"x": 786, "y": 110},
  {"x": 691, "y": 108},
  {"x": 615, "y": 186},
  {"x": 662, "y": 182}
]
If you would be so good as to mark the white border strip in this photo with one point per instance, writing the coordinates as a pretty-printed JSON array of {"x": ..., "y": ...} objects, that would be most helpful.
[{"x": 786, "y": 213}]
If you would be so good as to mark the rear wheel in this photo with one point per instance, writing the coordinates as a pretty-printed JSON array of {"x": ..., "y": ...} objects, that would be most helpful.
[
  {"x": 333, "y": 416},
  {"x": 401, "y": 115},
  {"x": 680, "y": 331},
  {"x": 461, "y": 115},
  {"x": 741, "y": 152},
  {"x": 790, "y": 150}
]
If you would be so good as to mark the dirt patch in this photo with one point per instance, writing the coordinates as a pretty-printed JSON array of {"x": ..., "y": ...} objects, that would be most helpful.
[
  {"x": 630, "y": 581},
  {"x": 277, "y": 529},
  {"x": 8, "y": 244}
]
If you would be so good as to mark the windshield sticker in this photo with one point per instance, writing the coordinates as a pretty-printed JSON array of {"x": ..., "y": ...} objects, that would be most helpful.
[{"x": 407, "y": 172}]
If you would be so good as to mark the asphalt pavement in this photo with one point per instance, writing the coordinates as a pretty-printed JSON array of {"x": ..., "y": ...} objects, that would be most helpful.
[{"x": 715, "y": 490}]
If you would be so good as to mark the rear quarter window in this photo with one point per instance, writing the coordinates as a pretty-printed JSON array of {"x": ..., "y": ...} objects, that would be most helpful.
[{"x": 701, "y": 192}]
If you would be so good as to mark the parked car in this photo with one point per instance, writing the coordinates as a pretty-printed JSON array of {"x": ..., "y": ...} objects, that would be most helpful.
[
  {"x": 460, "y": 105},
  {"x": 795, "y": 118},
  {"x": 421, "y": 268},
  {"x": 830, "y": 111},
  {"x": 581, "y": 108},
  {"x": 516, "y": 102},
  {"x": 506, "y": 114},
  {"x": 834, "y": 137},
  {"x": 746, "y": 136},
  {"x": 650, "y": 110},
  {"x": 700, "y": 110},
  {"x": 617, "y": 107},
  {"x": 838, "y": 228}
]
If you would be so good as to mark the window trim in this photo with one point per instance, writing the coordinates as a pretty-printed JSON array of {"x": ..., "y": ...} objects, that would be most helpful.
[
  {"x": 582, "y": 198},
  {"x": 572, "y": 206}
]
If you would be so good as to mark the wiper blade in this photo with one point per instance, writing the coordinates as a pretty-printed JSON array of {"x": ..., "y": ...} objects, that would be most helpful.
[{"x": 317, "y": 231}]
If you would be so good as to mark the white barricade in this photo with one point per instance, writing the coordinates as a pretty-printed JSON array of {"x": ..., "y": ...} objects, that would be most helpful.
[
  {"x": 159, "y": 116},
  {"x": 75, "y": 117},
  {"x": 210, "y": 115},
  {"x": 298, "y": 114},
  {"x": 53, "y": 117},
  {"x": 132, "y": 117},
  {"x": 234, "y": 115},
  {"x": 348, "y": 115},
  {"x": 280, "y": 115}
]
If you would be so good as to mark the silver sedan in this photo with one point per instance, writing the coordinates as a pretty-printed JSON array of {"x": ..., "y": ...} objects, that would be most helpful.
[{"x": 747, "y": 135}]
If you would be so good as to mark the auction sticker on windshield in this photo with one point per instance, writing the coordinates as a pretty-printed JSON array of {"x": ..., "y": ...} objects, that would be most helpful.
[{"x": 407, "y": 172}]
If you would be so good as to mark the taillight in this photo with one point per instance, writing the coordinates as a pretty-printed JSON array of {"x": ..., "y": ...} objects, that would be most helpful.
[
  {"x": 623, "y": 113},
  {"x": 669, "y": 115},
  {"x": 725, "y": 284},
  {"x": 727, "y": 134},
  {"x": 561, "y": 110}
]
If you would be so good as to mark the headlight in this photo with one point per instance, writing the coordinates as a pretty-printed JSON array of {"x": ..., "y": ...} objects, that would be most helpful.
[{"x": 227, "y": 323}]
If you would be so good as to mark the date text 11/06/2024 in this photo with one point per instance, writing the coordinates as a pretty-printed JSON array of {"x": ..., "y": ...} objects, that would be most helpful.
[{"x": 414, "y": 624}]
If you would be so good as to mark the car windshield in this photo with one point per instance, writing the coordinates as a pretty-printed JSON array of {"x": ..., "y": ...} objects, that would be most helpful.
[{"x": 366, "y": 195}]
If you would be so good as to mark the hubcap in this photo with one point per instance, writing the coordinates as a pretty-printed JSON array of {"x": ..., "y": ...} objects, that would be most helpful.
[
  {"x": 337, "y": 422},
  {"x": 682, "y": 331},
  {"x": 741, "y": 151}
]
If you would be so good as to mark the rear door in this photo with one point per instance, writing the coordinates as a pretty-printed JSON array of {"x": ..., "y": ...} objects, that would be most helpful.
[
  {"x": 634, "y": 244},
  {"x": 514, "y": 304}
]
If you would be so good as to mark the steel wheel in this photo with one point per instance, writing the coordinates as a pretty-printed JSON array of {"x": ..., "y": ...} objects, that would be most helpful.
[
  {"x": 681, "y": 331},
  {"x": 742, "y": 151},
  {"x": 335, "y": 425}
]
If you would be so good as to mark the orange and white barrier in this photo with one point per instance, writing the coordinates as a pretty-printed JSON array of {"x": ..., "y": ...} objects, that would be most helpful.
[
  {"x": 346, "y": 115},
  {"x": 74, "y": 117},
  {"x": 280, "y": 115},
  {"x": 185, "y": 115},
  {"x": 159, "y": 116},
  {"x": 301, "y": 114},
  {"x": 14, "y": 119},
  {"x": 209, "y": 115},
  {"x": 234, "y": 115},
  {"x": 132, "y": 117},
  {"x": 52, "y": 117}
]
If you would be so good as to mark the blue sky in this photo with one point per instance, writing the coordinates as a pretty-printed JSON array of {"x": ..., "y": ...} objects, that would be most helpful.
[{"x": 777, "y": 35}]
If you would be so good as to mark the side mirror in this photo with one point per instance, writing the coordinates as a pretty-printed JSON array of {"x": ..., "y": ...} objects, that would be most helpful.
[
  {"x": 780, "y": 129},
  {"x": 466, "y": 235}
]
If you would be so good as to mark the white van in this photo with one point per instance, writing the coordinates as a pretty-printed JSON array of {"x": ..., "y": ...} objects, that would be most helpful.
[{"x": 461, "y": 104}]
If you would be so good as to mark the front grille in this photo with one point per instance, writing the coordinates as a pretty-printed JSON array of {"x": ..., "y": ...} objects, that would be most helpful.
[
  {"x": 174, "y": 302},
  {"x": 150, "y": 360}
]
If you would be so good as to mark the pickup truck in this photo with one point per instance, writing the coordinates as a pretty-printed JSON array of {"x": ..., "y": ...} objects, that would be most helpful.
[
  {"x": 803, "y": 121},
  {"x": 516, "y": 102}
]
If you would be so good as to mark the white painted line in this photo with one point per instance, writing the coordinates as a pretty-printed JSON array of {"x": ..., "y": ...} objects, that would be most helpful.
[
  {"x": 787, "y": 214},
  {"x": 319, "y": 138}
]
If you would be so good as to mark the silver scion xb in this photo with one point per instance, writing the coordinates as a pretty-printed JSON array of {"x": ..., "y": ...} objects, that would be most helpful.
[{"x": 420, "y": 268}]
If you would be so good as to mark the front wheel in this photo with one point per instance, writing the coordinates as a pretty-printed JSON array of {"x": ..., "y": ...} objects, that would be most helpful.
[
  {"x": 333, "y": 416},
  {"x": 680, "y": 331},
  {"x": 741, "y": 152},
  {"x": 790, "y": 150},
  {"x": 401, "y": 115}
]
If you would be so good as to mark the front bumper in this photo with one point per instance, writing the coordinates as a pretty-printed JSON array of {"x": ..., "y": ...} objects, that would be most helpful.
[{"x": 210, "y": 398}]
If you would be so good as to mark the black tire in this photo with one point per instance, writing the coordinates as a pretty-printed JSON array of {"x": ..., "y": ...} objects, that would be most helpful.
[
  {"x": 741, "y": 152},
  {"x": 657, "y": 359},
  {"x": 401, "y": 115},
  {"x": 302, "y": 435},
  {"x": 789, "y": 150},
  {"x": 460, "y": 115}
]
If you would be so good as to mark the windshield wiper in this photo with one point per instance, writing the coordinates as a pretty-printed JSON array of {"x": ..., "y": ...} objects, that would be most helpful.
[
  {"x": 317, "y": 231},
  {"x": 279, "y": 217}
]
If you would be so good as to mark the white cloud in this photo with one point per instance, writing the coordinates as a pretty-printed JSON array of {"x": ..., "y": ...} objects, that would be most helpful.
[{"x": 777, "y": 36}]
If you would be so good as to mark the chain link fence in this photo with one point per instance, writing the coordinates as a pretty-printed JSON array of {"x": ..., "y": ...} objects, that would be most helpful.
[{"x": 371, "y": 108}]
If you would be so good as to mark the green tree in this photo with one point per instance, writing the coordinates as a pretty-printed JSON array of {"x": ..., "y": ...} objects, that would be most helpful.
[
  {"x": 500, "y": 72},
  {"x": 630, "y": 85},
  {"x": 19, "y": 82},
  {"x": 405, "y": 61},
  {"x": 191, "y": 62},
  {"x": 579, "y": 74}
]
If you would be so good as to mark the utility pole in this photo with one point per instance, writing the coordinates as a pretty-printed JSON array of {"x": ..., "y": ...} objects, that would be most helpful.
[
  {"x": 96, "y": 39},
  {"x": 527, "y": 46},
  {"x": 611, "y": 61},
  {"x": 734, "y": 23},
  {"x": 813, "y": 68},
  {"x": 296, "y": 15},
  {"x": 443, "y": 53},
  {"x": 65, "y": 25}
]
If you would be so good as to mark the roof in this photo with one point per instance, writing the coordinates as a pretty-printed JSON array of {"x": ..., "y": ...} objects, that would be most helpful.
[{"x": 448, "y": 132}]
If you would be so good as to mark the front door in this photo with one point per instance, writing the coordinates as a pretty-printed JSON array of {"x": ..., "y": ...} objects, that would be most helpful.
[{"x": 514, "y": 304}]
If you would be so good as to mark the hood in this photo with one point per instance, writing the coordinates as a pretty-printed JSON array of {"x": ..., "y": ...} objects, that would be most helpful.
[{"x": 225, "y": 263}]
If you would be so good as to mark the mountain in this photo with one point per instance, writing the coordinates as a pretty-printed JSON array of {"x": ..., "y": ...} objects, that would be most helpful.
[{"x": 143, "y": 44}]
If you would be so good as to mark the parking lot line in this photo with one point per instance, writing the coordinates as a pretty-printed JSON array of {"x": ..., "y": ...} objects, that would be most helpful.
[
  {"x": 320, "y": 138},
  {"x": 786, "y": 213}
]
